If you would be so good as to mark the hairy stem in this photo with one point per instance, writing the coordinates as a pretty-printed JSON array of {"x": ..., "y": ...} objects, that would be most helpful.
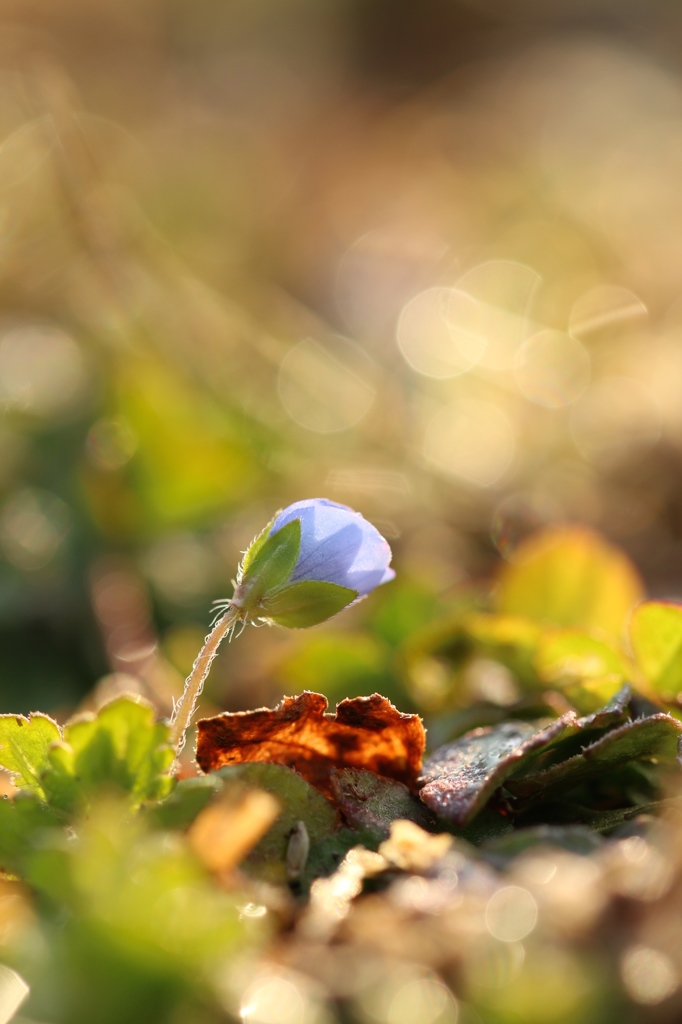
[{"x": 186, "y": 706}]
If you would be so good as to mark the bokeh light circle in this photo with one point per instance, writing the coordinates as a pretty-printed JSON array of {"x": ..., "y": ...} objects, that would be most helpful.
[
  {"x": 326, "y": 388},
  {"x": 471, "y": 440},
  {"x": 439, "y": 333},
  {"x": 42, "y": 370},
  {"x": 552, "y": 369}
]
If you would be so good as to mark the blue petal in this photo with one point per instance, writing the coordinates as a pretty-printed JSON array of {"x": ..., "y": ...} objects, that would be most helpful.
[{"x": 337, "y": 546}]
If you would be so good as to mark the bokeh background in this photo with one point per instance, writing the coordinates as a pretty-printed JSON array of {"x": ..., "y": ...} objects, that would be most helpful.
[{"x": 420, "y": 256}]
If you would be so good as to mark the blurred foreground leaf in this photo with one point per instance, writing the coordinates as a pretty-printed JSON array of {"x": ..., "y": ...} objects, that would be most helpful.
[
  {"x": 24, "y": 823},
  {"x": 134, "y": 927}
]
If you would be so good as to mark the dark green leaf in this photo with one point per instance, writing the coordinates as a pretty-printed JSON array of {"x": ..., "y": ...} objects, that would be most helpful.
[
  {"x": 373, "y": 803},
  {"x": 300, "y": 803},
  {"x": 641, "y": 740},
  {"x": 574, "y": 838}
]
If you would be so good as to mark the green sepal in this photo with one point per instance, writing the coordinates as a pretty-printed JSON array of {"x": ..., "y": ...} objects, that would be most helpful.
[
  {"x": 253, "y": 549},
  {"x": 306, "y": 603},
  {"x": 271, "y": 566}
]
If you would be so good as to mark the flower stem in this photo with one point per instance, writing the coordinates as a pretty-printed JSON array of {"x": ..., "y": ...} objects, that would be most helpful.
[{"x": 186, "y": 706}]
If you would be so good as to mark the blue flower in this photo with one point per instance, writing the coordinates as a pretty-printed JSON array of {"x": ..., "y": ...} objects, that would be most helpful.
[
  {"x": 315, "y": 558},
  {"x": 337, "y": 546}
]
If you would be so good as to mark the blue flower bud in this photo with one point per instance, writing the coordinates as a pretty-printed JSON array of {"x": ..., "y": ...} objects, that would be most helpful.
[
  {"x": 315, "y": 558},
  {"x": 337, "y": 546}
]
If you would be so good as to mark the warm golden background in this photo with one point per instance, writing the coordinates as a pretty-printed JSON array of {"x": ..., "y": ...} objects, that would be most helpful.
[{"x": 421, "y": 257}]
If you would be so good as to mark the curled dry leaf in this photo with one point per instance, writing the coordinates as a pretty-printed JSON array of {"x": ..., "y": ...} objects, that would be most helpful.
[
  {"x": 365, "y": 732},
  {"x": 460, "y": 777}
]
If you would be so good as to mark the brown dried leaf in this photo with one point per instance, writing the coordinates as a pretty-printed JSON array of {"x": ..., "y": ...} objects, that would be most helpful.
[{"x": 365, "y": 732}]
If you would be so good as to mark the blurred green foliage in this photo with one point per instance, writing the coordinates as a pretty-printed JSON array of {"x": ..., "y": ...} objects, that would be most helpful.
[{"x": 424, "y": 262}]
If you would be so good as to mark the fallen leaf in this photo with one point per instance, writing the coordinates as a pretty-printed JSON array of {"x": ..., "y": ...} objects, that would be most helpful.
[
  {"x": 658, "y": 736},
  {"x": 365, "y": 732},
  {"x": 460, "y": 777}
]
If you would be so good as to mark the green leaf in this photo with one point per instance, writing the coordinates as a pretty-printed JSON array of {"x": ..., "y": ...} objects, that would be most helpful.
[
  {"x": 24, "y": 822},
  {"x": 656, "y": 635},
  {"x": 655, "y": 737},
  {"x": 500, "y": 851},
  {"x": 300, "y": 802},
  {"x": 307, "y": 603},
  {"x": 134, "y": 926},
  {"x": 24, "y": 747},
  {"x": 571, "y": 577},
  {"x": 121, "y": 747},
  {"x": 272, "y": 564},
  {"x": 343, "y": 664},
  {"x": 188, "y": 799},
  {"x": 437, "y": 658}
]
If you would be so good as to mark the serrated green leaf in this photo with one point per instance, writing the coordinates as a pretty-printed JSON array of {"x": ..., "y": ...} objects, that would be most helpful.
[
  {"x": 656, "y": 635},
  {"x": 271, "y": 566},
  {"x": 307, "y": 603},
  {"x": 24, "y": 747},
  {"x": 63, "y": 789},
  {"x": 122, "y": 746}
]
